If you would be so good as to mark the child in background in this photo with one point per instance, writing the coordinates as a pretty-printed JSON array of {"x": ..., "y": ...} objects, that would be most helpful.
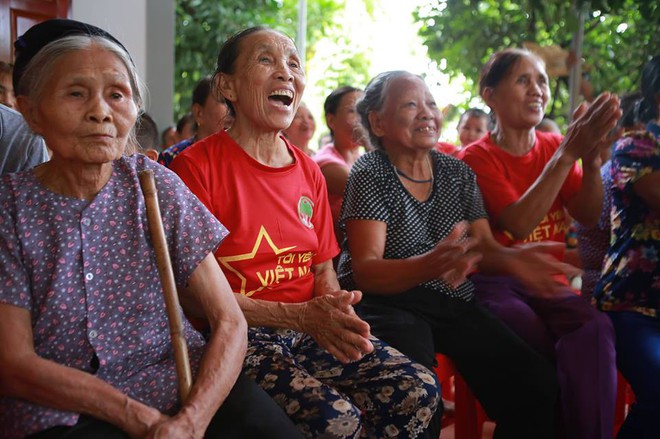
[{"x": 472, "y": 125}]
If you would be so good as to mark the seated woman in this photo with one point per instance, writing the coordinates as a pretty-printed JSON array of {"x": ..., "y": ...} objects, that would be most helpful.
[
  {"x": 84, "y": 337},
  {"x": 529, "y": 179},
  {"x": 406, "y": 211},
  {"x": 336, "y": 158},
  {"x": 629, "y": 289},
  {"x": 306, "y": 346}
]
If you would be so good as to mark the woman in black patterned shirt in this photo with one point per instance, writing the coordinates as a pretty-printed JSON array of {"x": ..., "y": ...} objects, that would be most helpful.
[{"x": 416, "y": 227}]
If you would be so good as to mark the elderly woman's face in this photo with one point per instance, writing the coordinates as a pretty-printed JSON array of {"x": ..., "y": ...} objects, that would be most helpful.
[
  {"x": 410, "y": 117},
  {"x": 519, "y": 100},
  {"x": 268, "y": 81},
  {"x": 86, "y": 110}
]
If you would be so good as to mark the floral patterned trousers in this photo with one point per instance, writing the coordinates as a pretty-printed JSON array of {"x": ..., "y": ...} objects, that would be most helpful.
[{"x": 384, "y": 395}]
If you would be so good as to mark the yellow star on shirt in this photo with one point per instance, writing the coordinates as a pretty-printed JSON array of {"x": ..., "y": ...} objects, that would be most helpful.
[{"x": 226, "y": 260}]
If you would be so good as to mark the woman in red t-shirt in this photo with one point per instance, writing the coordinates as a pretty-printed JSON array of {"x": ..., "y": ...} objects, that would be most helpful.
[
  {"x": 307, "y": 347},
  {"x": 528, "y": 180}
]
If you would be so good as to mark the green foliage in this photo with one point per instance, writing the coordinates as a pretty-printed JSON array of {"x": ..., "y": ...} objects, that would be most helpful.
[
  {"x": 203, "y": 25},
  {"x": 620, "y": 36}
]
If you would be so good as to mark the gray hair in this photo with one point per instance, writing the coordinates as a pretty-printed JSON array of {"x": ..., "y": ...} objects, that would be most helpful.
[
  {"x": 373, "y": 100},
  {"x": 38, "y": 70}
]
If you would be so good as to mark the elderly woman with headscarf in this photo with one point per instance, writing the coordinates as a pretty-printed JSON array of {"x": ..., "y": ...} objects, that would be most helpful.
[
  {"x": 84, "y": 339},
  {"x": 307, "y": 347}
]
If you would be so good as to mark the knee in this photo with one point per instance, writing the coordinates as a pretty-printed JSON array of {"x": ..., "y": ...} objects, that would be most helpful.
[
  {"x": 338, "y": 419},
  {"x": 415, "y": 392},
  {"x": 598, "y": 326}
]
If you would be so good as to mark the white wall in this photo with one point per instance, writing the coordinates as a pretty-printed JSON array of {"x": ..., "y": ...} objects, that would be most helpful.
[{"x": 146, "y": 28}]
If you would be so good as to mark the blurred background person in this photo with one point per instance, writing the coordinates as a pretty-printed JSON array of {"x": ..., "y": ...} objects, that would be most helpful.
[
  {"x": 211, "y": 114},
  {"x": 336, "y": 158},
  {"x": 301, "y": 130},
  {"x": 185, "y": 127},
  {"x": 20, "y": 148},
  {"x": 548, "y": 125},
  {"x": 146, "y": 135},
  {"x": 7, "y": 97},
  {"x": 472, "y": 126},
  {"x": 168, "y": 137}
]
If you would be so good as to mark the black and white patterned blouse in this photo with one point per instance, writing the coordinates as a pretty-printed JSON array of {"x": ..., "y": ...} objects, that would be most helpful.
[{"x": 374, "y": 192}]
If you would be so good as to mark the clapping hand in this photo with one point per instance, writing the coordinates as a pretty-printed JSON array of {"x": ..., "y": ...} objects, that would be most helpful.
[
  {"x": 534, "y": 265},
  {"x": 592, "y": 128},
  {"x": 454, "y": 258}
]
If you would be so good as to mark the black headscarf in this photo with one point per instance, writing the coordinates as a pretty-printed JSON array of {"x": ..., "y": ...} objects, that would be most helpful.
[{"x": 39, "y": 35}]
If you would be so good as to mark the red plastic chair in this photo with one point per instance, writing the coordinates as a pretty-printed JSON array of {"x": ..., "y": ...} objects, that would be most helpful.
[
  {"x": 469, "y": 416},
  {"x": 624, "y": 399}
]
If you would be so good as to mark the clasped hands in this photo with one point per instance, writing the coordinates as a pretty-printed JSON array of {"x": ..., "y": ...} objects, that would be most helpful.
[{"x": 331, "y": 320}]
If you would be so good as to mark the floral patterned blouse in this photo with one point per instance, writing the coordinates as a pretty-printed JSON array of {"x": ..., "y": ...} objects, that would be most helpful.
[
  {"x": 631, "y": 272},
  {"x": 86, "y": 271}
]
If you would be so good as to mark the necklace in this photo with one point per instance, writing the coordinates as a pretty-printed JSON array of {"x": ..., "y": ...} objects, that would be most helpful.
[{"x": 414, "y": 180}]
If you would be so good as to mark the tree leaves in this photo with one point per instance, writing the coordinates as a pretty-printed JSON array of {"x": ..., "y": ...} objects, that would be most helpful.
[{"x": 466, "y": 32}]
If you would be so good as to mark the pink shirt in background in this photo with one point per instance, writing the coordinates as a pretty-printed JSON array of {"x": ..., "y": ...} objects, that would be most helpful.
[{"x": 328, "y": 155}]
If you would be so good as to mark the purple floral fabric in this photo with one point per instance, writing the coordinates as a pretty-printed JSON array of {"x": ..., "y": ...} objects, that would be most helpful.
[
  {"x": 631, "y": 272},
  {"x": 87, "y": 273}
]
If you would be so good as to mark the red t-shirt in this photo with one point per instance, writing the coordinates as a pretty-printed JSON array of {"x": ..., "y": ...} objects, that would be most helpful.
[
  {"x": 504, "y": 178},
  {"x": 447, "y": 148},
  {"x": 279, "y": 218}
]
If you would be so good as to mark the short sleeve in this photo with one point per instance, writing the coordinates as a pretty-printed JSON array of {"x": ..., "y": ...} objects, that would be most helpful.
[
  {"x": 498, "y": 192},
  {"x": 364, "y": 197},
  {"x": 634, "y": 157},
  {"x": 189, "y": 172},
  {"x": 473, "y": 203},
  {"x": 14, "y": 281},
  {"x": 192, "y": 231}
]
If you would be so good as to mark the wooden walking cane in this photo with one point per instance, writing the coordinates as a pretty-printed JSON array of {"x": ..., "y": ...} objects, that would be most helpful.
[{"x": 177, "y": 332}]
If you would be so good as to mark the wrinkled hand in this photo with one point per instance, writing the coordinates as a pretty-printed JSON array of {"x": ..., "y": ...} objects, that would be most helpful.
[
  {"x": 176, "y": 427},
  {"x": 601, "y": 153},
  {"x": 331, "y": 320},
  {"x": 586, "y": 135},
  {"x": 533, "y": 265},
  {"x": 454, "y": 258}
]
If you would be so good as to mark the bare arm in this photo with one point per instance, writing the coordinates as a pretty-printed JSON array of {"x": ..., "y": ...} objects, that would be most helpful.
[
  {"x": 25, "y": 375},
  {"x": 336, "y": 177},
  {"x": 208, "y": 293},
  {"x": 377, "y": 275},
  {"x": 532, "y": 265},
  {"x": 325, "y": 278},
  {"x": 648, "y": 188},
  {"x": 584, "y": 139}
]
